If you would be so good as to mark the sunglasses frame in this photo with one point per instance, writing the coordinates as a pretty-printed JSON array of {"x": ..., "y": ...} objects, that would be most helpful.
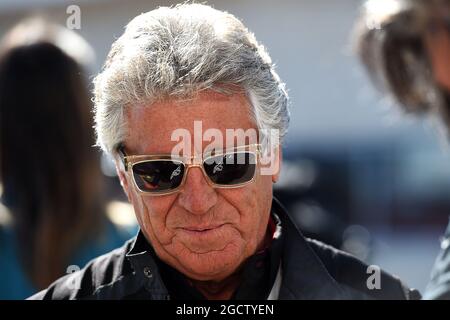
[{"x": 129, "y": 161}]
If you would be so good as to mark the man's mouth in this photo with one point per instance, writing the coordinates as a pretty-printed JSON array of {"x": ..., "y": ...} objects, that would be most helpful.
[{"x": 201, "y": 229}]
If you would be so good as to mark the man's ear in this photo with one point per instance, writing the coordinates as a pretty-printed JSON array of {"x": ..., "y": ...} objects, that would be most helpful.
[{"x": 279, "y": 158}]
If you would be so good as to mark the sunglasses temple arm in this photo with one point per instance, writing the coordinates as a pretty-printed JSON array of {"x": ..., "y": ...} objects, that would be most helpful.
[{"x": 123, "y": 156}]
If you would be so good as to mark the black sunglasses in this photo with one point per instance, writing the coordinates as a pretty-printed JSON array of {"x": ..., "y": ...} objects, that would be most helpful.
[{"x": 164, "y": 174}]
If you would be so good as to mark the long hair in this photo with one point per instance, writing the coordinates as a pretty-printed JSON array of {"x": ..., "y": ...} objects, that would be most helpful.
[
  {"x": 389, "y": 40},
  {"x": 49, "y": 170}
]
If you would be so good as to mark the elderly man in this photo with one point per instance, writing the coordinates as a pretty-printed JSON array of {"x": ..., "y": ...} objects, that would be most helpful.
[{"x": 191, "y": 109}]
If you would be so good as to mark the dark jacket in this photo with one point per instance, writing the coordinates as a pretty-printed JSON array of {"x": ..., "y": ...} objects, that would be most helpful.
[
  {"x": 439, "y": 286},
  {"x": 310, "y": 270}
]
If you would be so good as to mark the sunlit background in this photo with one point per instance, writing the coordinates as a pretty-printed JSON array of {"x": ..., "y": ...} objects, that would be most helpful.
[{"x": 357, "y": 173}]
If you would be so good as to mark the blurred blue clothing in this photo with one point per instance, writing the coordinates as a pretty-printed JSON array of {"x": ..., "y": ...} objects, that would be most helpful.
[
  {"x": 439, "y": 286},
  {"x": 14, "y": 283}
]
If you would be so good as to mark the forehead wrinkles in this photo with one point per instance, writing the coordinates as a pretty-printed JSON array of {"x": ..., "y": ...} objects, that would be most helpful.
[{"x": 150, "y": 127}]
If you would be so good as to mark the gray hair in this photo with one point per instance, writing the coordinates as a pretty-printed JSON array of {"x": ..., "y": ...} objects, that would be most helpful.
[{"x": 177, "y": 52}]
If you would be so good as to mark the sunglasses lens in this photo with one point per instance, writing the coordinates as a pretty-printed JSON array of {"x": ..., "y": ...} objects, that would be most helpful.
[
  {"x": 231, "y": 168},
  {"x": 158, "y": 175}
]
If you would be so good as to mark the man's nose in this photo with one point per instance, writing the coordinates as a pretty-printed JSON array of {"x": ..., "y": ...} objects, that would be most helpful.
[{"x": 197, "y": 195}]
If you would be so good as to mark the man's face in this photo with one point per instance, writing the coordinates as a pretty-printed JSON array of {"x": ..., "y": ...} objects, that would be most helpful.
[{"x": 202, "y": 231}]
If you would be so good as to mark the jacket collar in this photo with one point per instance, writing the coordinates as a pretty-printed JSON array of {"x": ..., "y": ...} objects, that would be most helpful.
[
  {"x": 304, "y": 274},
  {"x": 141, "y": 258}
]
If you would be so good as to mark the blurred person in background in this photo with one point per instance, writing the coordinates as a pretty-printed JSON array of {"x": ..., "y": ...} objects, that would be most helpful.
[
  {"x": 405, "y": 47},
  {"x": 210, "y": 227},
  {"x": 52, "y": 209}
]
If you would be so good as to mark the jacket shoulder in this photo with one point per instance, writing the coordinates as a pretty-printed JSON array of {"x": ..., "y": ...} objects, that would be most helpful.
[
  {"x": 103, "y": 271},
  {"x": 361, "y": 281},
  {"x": 439, "y": 286}
]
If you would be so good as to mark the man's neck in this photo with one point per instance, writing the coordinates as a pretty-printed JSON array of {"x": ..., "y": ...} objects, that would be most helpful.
[{"x": 219, "y": 290}]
